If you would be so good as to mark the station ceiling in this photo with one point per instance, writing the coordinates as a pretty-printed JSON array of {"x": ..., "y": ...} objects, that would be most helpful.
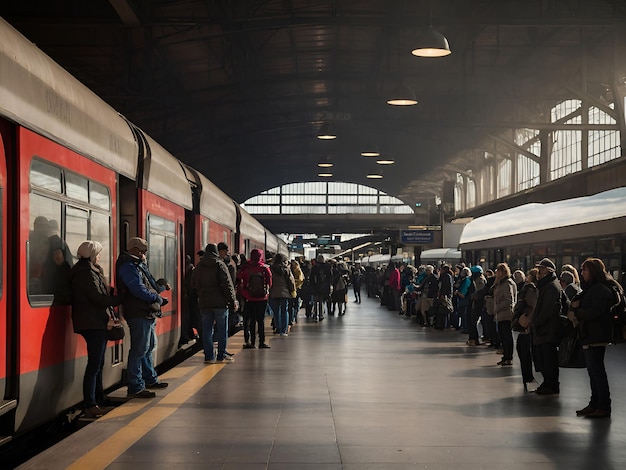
[{"x": 239, "y": 88}]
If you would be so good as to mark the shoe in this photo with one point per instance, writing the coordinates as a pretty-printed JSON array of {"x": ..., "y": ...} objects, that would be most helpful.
[
  {"x": 597, "y": 414},
  {"x": 546, "y": 391},
  {"x": 226, "y": 353},
  {"x": 499, "y": 351},
  {"x": 210, "y": 361},
  {"x": 471, "y": 342},
  {"x": 284, "y": 334},
  {"x": 157, "y": 385},
  {"x": 145, "y": 393},
  {"x": 94, "y": 412},
  {"x": 263, "y": 346},
  {"x": 505, "y": 362},
  {"x": 248, "y": 346},
  {"x": 585, "y": 411},
  {"x": 531, "y": 386},
  {"x": 226, "y": 359}
]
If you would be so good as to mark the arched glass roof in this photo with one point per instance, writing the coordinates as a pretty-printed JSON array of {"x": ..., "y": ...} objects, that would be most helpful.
[{"x": 325, "y": 197}]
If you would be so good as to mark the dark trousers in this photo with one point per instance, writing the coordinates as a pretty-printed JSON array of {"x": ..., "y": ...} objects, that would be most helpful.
[
  {"x": 357, "y": 292},
  {"x": 506, "y": 337},
  {"x": 525, "y": 355},
  {"x": 600, "y": 394},
  {"x": 472, "y": 328},
  {"x": 93, "y": 393},
  {"x": 548, "y": 357},
  {"x": 489, "y": 329},
  {"x": 253, "y": 317}
]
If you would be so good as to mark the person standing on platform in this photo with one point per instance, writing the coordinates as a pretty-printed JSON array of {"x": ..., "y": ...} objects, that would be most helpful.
[
  {"x": 255, "y": 280},
  {"x": 294, "y": 301},
  {"x": 523, "y": 316},
  {"x": 546, "y": 327},
  {"x": 321, "y": 285},
  {"x": 505, "y": 297},
  {"x": 91, "y": 313},
  {"x": 216, "y": 296},
  {"x": 280, "y": 293},
  {"x": 592, "y": 310},
  {"x": 141, "y": 307}
]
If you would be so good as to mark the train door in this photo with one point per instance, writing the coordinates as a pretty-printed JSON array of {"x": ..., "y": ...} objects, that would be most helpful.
[{"x": 6, "y": 404}]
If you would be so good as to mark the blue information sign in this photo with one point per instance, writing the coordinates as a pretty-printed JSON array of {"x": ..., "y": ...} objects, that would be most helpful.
[{"x": 417, "y": 236}]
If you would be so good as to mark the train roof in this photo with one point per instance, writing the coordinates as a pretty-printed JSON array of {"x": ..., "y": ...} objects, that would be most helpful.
[
  {"x": 441, "y": 254},
  {"x": 165, "y": 176},
  {"x": 37, "y": 93},
  {"x": 215, "y": 204},
  {"x": 536, "y": 217},
  {"x": 251, "y": 227}
]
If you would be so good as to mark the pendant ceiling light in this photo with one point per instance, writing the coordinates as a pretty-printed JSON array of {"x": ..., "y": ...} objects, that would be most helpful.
[
  {"x": 402, "y": 95},
  {"x": 374, "y": 175},
  {"x": 385, "y": 161},
  {"x": 431, "y": 43},
  {"x": 325, "y": 132},
  {"x": 325, "y": 162},
  {"x": 325, "y": 174},
  {"x": 370, "y": 151}
]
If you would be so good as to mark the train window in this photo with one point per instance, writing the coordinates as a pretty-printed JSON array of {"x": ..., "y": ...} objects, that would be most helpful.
[
  {"x": 45, "y": 214},
  {"x": 205, "y": 233},
  {"x": 76, "y": 227},
  {"x": 76, "y": 187},
  {"x": 99, "y": 196},
  {"x": 100, "y": 231},
  {"x": 162, "y": 253},
  {"x": 45, "y": 176}
]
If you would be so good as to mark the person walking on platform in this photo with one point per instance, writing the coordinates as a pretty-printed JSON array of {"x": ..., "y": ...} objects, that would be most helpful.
[
  {"x": 504, "y": 298},
  {"x": 321, "y": 278},
  {"x": 255, "y": 280},
  {"x": 546, "y": 327},
  {"x": 357, "y": 279},
  {"x": 91, "y": 314},
  {"x": 216, "y": 296},
  {"x": 280, "y": 293},
  {"x": 141, "y": 307},
  {"x": 592, "y": 310}
]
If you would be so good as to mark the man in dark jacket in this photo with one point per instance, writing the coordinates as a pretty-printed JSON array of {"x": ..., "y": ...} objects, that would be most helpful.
[
  {"x": 141, "y": 307},
  {"x": 546, "y": 327},
  {"x": 216, "y": 295}
]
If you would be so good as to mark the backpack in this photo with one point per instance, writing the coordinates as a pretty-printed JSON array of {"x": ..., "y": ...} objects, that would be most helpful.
[{"x": 257, "y": 287}]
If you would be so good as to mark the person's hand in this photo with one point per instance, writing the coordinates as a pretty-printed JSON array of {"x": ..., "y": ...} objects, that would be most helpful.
[
  {"x": 236, "y": 308},
  {"x": 164, "y": 301}
]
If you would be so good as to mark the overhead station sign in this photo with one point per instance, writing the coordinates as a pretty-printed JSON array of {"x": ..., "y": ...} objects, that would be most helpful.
[{"x": 419, "y": 237}]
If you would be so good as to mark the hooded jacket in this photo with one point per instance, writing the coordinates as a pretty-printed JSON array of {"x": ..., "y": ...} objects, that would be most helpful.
[
  {"x": 136, "y": 288},
  {"x": 212, "y": 281},
  {"x": 256, "y": 264}
]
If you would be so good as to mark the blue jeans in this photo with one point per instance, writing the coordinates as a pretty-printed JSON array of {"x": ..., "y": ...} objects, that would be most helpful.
[
  {"x": 93, "y": 393},
  {"x": 600, "y": 394},
  {"x": 140, "y": 362},
  {"x": 217, "y": 317},
  {"x": 281, "y": 315}
]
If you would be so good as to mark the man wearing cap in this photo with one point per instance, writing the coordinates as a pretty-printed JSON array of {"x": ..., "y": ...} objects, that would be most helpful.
[
  {"x": 141, "y": 307},
  {"x": 222, "y": 249},
  {"x": 546, "y": 327},
  {"x": 216, "y": 295}
]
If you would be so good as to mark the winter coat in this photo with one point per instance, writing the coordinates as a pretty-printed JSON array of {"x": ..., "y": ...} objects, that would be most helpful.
[
  {"x": 547, "y": 326},
  {"x": 282, "y": 282},
  {"x": 141, "y": 297},
  {"x": 90, "y": 297},
  {"x": 504, "y": 299},
  {"x": 243, "y": 276},
  {"x": 213, "y": 283},
  {"x": 594, "y": 313}
]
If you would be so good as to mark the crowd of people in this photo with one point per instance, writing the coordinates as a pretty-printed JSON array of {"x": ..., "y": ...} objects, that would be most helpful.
[{"x": 225, "y": 292}]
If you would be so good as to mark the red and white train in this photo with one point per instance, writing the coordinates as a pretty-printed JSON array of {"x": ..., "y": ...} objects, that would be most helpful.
[{"x": 72, "y": 167}]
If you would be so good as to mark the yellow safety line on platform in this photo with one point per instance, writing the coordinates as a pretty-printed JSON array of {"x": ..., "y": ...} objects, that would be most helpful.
[{"x": 110, "y": 449}]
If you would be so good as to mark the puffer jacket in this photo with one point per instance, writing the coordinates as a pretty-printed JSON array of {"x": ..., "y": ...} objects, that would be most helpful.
[
  {"x": 90, "y": 297},
  {"x": 594, "y": 313},
  {"x": 213, "y": 283},
  {"x": 140, "y": 296},
  {"x": 504, "y": 299},
  {"x": 282, "y": 282},
  {"x": 547, "y": 326}
]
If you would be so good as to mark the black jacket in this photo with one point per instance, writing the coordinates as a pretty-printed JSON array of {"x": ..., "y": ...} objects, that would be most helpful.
[
  {"x": 90, "y": 297},
  {"x": 594, "y": 313},
  {"x": 547, "y": 326},
  {"x": 213, "y": 283}
]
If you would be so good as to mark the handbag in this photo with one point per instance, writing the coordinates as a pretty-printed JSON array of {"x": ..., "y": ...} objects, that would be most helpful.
[
  {"x": 115, "y": 329},
  {"x": 570, "y": 350}
]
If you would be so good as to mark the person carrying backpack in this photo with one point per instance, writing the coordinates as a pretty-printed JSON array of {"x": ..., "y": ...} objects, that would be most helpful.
[{"x": 254, "y": 282}]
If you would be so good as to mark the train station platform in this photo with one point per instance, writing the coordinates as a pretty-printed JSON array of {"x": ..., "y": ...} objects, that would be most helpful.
[{"x": 367, "y": 391}]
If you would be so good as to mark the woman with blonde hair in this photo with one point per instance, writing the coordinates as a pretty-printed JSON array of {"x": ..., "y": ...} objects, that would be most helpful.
[
  {"x": 504, "y": 296},
  {"x": 91, "y": 316}
]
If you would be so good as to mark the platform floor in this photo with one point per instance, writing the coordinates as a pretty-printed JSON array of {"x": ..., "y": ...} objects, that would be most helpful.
[{"x": 370, "y": 390}]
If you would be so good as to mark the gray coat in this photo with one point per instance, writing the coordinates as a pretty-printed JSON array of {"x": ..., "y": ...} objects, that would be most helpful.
[{"x": 504, "y": 298}]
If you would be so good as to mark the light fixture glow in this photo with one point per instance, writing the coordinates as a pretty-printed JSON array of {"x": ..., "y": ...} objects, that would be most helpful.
[
  {"x": 374, "y": 175},
  {"x": 325, "y": 132},
  {"x": 402, "y": 95},
  {"x": 370, "y": 154},
  {"x": 325, "y": 174},
  {"x": 385, "y": 161},
  {"x": 432, "y": 44},
  {"x": 325, "y": 162}
]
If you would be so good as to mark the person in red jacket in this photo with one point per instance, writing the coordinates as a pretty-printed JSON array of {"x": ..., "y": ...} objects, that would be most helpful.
[{"x": 254, "y": 282}]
